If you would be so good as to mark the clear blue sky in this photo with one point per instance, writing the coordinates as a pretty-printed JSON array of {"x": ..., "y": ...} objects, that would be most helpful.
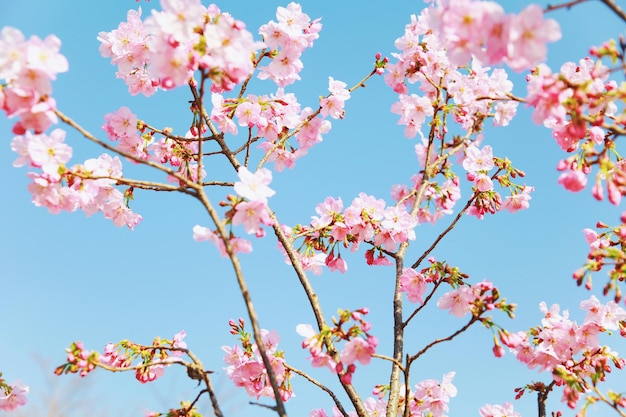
[{"x": 68, "y": 277}]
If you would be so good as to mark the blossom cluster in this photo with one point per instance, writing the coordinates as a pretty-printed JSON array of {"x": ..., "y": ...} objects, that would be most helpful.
[
  {"x": 169, "y": 46},
  {"x": 245, "y": 365},
  {"x": 475, "y": 299},
  {"x": 273, "y": 116},
  {"x": 429, "y": 397},
  {"x": 79, "y": 360},
  {"x": 414, "y": 284},
  {"x": 121, "y": 356},
  {"x": 482, "y": 29},
  {"x": 580, "y": 104},
  {"x": 424, "y": 60},
  {"x": 359, "y": 344},
  {"x": 571, "y": 351},
  {"x": 135, "y": 138},
  {"x": 88, "y": 186},
  {"x": 287, "y": 39},
  {"x": 12, "y": 395},
  {"x": 28, "y": 67},
  {"x": 367, "y": 219},
  {"x": 606, "y": 249}
]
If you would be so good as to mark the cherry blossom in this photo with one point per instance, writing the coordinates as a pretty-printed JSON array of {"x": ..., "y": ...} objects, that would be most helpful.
[
  {"x": 254, "y": 187},
  {"x": 13, "y": 396}
]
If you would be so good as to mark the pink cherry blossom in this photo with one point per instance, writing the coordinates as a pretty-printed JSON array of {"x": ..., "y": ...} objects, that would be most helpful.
[
  {"x": 333, "y": 104},
  {"x": 413, "y": 111},
  {"x": 150, "y": 373},
  {"x": 529, "y": 33},
  {"x": 413, "y": 284},
  {"x": 117, "y": 210},
  {"x": 496, "y": 410},
  {"x": 574, "y": 180},
  {"x": 519, "y": 201},
  {"x": 359, "y": 349},
  {"x": 9, "y": 401},
  {"x": 254, "y": 187},
  {"x": 48, "y": 152},
  {"x": 238, "y": 245},
  {"x": 121, "y": 123},
  {"x": 478, "y": 160},
  {"x": 252, "y": 215},
  {"x": 433, "y": 396},
  {"x": 457, "y": 301},
  {"x": 336, "y": 263}
]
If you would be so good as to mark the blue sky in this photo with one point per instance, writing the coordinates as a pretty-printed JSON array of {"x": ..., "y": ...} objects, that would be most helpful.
[{"x": 68, "y": 277}]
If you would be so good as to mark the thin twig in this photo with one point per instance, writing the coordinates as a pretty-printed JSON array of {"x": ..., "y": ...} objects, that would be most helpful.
[
  {"x": 321, "y": 386},
  {"x": 615, "y": 8},
  {"x": 473, "y": 320}
]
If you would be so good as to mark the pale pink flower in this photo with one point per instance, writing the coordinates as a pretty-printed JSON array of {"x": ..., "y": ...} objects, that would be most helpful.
[
  {"x": 505, "y": 111},
  {"x": 458, "y": 301},
  {"x": 252, "y": 215},
  {"x": 44, "y": 56},
  {"x": 483, "y": 183},
  {"x": 150, "y": 373},
  {"x": 529, "y": 33},
  {"x": 591, "y": 236},
  {"x": 336, "y": 263},
  {"x": 413, "y": 111},
  {"x": 249, "y": 113},
  {"x": 359, "y": 349},
  {"x": 496, "y": 410},
  {"x": 14, "y": 399},
  {"x": 179, "y": 342},
  {"x": 607, "y": 316},
  {"x": 478, "y": 160},
  {"x": 413, "y": 284},
  {"x": 238, "y": 245},
  {"x": 121, "y": 123},
  {"x": 254, "y": 187},
  {"x": 116, "y": 209},
  {"x": 328, "y": 211},
  {"x": 519, "y": 201},
  {"x": 12, "y": 52}
]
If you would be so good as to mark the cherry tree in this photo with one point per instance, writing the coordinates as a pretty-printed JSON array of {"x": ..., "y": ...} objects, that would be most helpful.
[{"x": 449, "y": 73}]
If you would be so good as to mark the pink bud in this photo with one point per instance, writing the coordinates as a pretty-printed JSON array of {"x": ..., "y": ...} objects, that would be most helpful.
[
  {"x": 562, "y": 165},
  {"x": 346, "y": 379},
  {"x": 498, "y": 351},
  {"x": 615, "y": 195},
  {"x": 597, "y": 191}
]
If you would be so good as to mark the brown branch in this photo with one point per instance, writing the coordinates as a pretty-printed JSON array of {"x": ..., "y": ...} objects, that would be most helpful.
[
  {"x": 317, "y": 309},
  {"x": 566, "y": 5},
  {"x": 105, "y": 145},
  {"x": 615, "y": 9},
  {"x": 444, "y": 233},
  {"x": 390, "y": 359},
  {"x": 418, "y": 309},
  {"x": 144, "y": 185},
  {"x": 218, "y": 183},
  {"x": 473, "y": 320},
  {"x": 219, "y": 137},
  {"x": 321, "y": 386},
  {"x": 243, "y": 287}
]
